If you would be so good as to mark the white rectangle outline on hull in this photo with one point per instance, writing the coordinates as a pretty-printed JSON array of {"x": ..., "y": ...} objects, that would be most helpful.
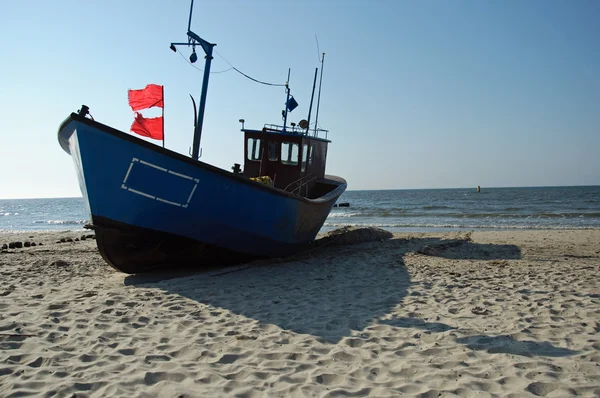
[{"x": 135, "y": 160}]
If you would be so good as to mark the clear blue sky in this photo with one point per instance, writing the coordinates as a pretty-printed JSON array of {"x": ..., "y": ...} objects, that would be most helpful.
[{"x": 415, "y": 94}]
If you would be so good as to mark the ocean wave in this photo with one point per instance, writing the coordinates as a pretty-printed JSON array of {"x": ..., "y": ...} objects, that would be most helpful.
[
  {"x": 40, "y": 230},
  {"x": 62, "y": 222},
  {"x": 344, "y": 214},
  {"x": 436, "y": 207},
  {"x": 521, "y": 216},
  {"x": 534, "y": 215},
  {"x": 463, "y": 215},
  {"x": 460, "y": 226}
]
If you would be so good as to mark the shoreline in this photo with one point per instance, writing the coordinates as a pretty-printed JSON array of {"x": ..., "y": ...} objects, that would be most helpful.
[
  {"x": 326, "y": 229},
  {"x": 401, "y": 230},
  {"x": 456, "y": 313}
]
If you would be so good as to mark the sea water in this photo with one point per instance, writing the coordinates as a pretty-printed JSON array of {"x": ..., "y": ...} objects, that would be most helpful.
[
  {"x": 395, "y": 210},
  {"x": 43, "y": 214},
  {"x": 467, "y": 209}
]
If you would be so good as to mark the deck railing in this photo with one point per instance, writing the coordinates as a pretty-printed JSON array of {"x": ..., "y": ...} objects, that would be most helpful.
[{"x": 297, "y": 130}]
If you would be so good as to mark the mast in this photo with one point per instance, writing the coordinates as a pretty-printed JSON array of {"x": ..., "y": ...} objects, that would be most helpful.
[
  {"x": 287, "y": 90},
  {"x": 193, "y": 41},
  {"x": 163, "y": 113},
  {"x": 311, "y": 100},
  {"x": 319, "y": 97}
]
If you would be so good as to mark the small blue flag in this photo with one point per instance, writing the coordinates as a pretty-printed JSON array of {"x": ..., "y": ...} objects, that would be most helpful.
[{"x": 291, "y": 104}]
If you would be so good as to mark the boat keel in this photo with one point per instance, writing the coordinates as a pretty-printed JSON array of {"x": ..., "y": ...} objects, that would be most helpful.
[{"x": 132, "y": 249}]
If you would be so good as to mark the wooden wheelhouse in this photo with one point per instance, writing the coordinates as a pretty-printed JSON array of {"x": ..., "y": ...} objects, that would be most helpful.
[{"x": 293, "y": 158}]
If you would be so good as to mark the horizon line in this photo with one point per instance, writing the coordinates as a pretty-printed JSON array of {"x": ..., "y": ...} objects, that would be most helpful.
[{"x": 362, "y": 190}]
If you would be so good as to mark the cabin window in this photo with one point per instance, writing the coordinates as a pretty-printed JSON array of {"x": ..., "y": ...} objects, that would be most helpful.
[
  {"x": 289, "y": 153},
  {"x": 304, "y": 156},
  {"x": 254, "y": 148},
  {"x": 273, "y": 151},
  {"x": 311, "y": 151}
]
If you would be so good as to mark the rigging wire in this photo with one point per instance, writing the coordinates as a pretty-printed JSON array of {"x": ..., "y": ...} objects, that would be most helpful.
[
  {"x": 318, "y": 51},
  {"x": 201, "y": 70},
  {"x": 245, "y": 75},
  {"x": 227, "y": 70}
]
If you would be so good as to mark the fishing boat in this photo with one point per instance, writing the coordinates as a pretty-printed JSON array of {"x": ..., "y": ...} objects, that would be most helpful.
[{"x": 151, "y": 207}]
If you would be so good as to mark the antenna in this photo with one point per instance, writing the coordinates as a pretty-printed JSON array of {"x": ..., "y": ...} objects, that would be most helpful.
[
  {"x": 193, "y": 41},
  {"x": 319, "y": 97},
  {"x": 311, "y": 100},
  {"x": 190, "y": 20}
]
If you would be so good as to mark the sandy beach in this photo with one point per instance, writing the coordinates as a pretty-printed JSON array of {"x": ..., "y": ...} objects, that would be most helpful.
[{"x": 482, "y": 314}]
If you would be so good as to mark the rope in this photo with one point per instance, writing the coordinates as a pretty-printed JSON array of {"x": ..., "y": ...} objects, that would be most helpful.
[
  {"x": 201, "y": 70},
  {"x": 227, "y": 70},
  {"x": 245, "y": 75}
]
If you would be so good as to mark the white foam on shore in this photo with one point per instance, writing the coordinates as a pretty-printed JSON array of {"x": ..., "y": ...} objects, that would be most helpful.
[
  {"x": 352, "y": 214},
  {"x": 61, "y": 222},
  {"x": 426, "y": 226}
]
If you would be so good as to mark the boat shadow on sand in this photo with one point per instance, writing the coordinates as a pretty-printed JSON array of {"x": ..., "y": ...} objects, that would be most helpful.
[{"x": 347, "y": 282}]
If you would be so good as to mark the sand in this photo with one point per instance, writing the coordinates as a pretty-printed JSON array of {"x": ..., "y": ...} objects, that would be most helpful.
[{"x": 482, "y": 314}]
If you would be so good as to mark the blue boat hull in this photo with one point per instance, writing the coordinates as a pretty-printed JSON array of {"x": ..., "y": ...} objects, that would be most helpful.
[{"x": 152, "y": 207}]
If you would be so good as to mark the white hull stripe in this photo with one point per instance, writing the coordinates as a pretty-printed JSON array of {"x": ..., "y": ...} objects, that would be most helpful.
[
  {"x": 134, "y": 160},
  {"x": 128, "y": 171},
  {"x": 180, "y": 175},
  {"x": 153, "y": 165},
  {"x": 141, "y": 193},
  {"x": 169, "y": 202},
  {"x": 192, "y": 193}
]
